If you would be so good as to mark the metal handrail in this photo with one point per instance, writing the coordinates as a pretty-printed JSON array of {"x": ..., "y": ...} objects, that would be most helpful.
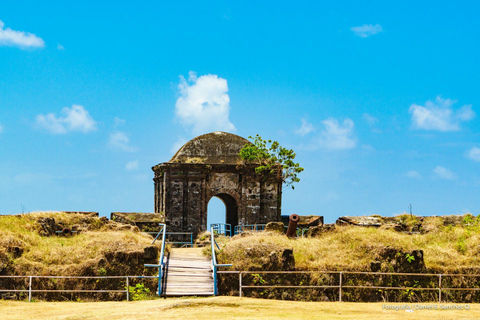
[
  {"x": 215, "y": 265},
  {"x": 222, "y": 228},
  {"x": 250, "y": 227},
  {"x": 161, "y": 263},
  {"x": 341, "y": 286},
  {"x": 30, "y": 289}
]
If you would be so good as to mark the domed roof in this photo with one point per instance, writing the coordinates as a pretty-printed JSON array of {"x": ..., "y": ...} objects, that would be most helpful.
[{"x": 211, "y": 148}]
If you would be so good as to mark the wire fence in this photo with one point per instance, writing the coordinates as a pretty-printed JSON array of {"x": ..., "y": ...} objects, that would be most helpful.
[
  {"x": 439, "y": 287},
  {"x": 29, "y": 282},
  {"x": 408, "y": 283}
]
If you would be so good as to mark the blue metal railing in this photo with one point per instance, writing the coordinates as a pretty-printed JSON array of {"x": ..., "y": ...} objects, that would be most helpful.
[
  {"x": 215, "y": 265},
  {"x": 161, "y": 263},
  {"x": 222, "y": 228},
  {"x": 189, "y": 243},
  {"x": 248, "y": 227}
]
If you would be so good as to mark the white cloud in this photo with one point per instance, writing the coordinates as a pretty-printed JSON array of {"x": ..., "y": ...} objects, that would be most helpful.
[
  {"x": 444, "y": 173},
  {"x": 439, "y": 115},
  {"x": 367, "y": 30},
  {"x": 1, "y": 128},
  {"x": 371, "y": 120},
  {"x": 474, "y": 154},
  {"x": 132, "y": 165},
  {"x": 413, "y": 174},
  {"x": 118, "y": 122},
  {"x": 72, "y": 119},
  {"x": 305, "y": 129},
  {"x": 119, "y": 140},
  {"x": 337, "y": 136},
  {"x": 60, "y": 47},
  {"x": 9, "y": 37},
  {"x": 204, "y": 104}
]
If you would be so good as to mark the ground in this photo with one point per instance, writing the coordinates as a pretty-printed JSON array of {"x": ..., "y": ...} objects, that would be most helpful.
[{"x": 223, "y": 308}]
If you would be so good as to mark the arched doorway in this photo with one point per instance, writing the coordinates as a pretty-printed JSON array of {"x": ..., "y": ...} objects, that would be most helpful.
[{"x": 230, "y": 210}]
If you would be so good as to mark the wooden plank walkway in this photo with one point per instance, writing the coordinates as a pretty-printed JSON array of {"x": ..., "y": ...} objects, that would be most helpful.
[{"x": 188, "y": 273}]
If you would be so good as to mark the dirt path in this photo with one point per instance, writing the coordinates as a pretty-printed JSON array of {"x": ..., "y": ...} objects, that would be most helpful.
[{"x": 223, "y": 308}]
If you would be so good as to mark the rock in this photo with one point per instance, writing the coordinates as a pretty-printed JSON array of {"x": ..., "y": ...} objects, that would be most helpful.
[
  {"x": 370, "y": 221},
  {"x": 315, "y": 221},
  {"x": 272, "y": 257},
  {"x": 394, "y": 227},
  {"x": 46, "y": 226},
  {"x": 375, "y": 266},
  {"x": 17, "y": 251},
  {"x": 452, "y": 220},
  {"x": 275, "y": 227},
  {"x": 150, "y": 254},
  {"x": 124, "y": 227},
  {"x": 288, "y": 260},
  {"x": 319, "y": 230},
  {"x": 399, "y": 261}
]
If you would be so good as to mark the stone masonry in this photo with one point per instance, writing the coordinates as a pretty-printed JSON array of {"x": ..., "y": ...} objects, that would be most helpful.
[{"x": 209, "y": 166}]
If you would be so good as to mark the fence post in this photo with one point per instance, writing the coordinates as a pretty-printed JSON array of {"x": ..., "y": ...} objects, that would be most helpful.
[
  {"x": 440, "y": 288},
  {"x": 240, "y": 284},
  {"x": 340, "y": 288},
  {"x": 30, "y": 289},
  {"x": 128, "y": 293}
]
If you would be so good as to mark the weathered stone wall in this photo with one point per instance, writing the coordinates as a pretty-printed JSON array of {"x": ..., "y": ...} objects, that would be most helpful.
[
  {"x": 210, "y": 166},
  {"x": 183, "y": 191},
  {"x": 145, "y": 221}
]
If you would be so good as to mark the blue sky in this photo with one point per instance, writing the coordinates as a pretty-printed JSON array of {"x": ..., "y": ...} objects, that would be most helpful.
[{"x": 380, "y": 101}]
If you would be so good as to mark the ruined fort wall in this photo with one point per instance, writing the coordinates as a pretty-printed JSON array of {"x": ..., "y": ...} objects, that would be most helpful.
[{"x": 182, "y": 192}]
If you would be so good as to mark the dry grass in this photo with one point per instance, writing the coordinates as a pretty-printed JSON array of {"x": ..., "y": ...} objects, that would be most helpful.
[
  {"x": 446, "y": 249},
  {"x": 222, "y": 308},
  {"x": 62, "y": 255}
]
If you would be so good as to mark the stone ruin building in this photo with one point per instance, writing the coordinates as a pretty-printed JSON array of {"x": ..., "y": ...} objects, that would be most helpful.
[{"x": 209, "y": 166}]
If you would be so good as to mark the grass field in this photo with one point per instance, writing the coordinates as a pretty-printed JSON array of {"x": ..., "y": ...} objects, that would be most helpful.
[
  {"x": 223, "y": 308},
  {"x": 447, "y": 249},
  {"x": 52, "y": 255}
]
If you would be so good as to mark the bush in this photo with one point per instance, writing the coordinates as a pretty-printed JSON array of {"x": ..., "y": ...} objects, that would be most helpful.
[{"x": 139, "y": 292}]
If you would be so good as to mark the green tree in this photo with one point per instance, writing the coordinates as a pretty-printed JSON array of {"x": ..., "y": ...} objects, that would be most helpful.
[{"x": 271, "y": 158}]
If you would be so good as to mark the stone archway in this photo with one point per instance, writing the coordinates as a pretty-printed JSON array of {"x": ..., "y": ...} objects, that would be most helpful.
[
  {"x": 207, "y": 166},
  {"x": 231, "y": 209}
]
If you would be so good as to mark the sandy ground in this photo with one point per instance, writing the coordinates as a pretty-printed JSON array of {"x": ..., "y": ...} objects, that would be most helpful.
[{"x": 228, "y": 308}]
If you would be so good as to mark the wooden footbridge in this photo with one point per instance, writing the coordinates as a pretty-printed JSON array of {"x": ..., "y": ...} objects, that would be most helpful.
[{"x": 186, "y": 271}]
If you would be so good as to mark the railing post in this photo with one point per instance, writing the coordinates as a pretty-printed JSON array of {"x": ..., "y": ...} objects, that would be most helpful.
[
  {"x": 215, "y": 280},
  {"x": 340, "y": 288},
  {"x": 30, "y": 289},
  {"x": 240, "y": 285},
  {"x": 440, "y": 288},
  {"x": 128, "y": 293},
  {"x": 160, "y": 277}
]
